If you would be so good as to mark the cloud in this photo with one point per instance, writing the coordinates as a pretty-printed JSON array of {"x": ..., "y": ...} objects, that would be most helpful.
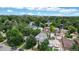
[
  {"x": 31, "y": 8},
  {"x": 30, "y": 14},
  {"x": 46, "y": 11},
  {"x": 44, "y": 8},
  {"x": 68, "y": 11},
  {"x": 53, "y": 9},
  {"x": 9, "y": 10}
]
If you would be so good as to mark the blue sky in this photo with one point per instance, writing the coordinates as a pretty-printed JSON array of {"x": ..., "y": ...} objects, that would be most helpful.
[
  {"x": 41, "y": 11},
  {"x": 40, "y": 7}
]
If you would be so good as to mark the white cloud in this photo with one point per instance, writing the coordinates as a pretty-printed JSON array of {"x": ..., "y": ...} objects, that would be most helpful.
[
  {"x": 44, "y": 8},
  {"x": 31, "y": 8},
  {"x": 30, "y": 14},
  {"x": 53, "y": 9},
  {"x": 68, "y": 11},
  {"x": 9, "y": 10}
]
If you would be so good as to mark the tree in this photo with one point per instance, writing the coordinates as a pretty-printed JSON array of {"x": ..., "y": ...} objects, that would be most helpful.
[
  {"x": 72, "y": 29},
  {"x": 35, "y": 32},
  {"x": 14, "y": 37},
  {"x": 68, "y": 35},
  {"x": 1, "y": 38},
  {"x": 75, "y": 47},
  {"x": 30, "y": 42},
  {"x": 52, "y": 28},
  {"x": 22, "y": 26},
  {"x": 27, "y": 31},
  {"x": 43, "y": 46}
]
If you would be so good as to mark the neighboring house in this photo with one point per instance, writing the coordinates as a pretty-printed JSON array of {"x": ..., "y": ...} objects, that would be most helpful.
[
  {"x": 32, "y": 25},
  {"x": 55, "y": 44},
  {"x": 41, "y": 36},
  {"x": 46, "y": 29}
]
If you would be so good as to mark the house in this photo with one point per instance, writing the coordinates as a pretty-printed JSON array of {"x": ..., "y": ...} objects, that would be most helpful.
[
  {"x": 32, "y": 25},
  {"x": 55, "y": 44},
  {"x": 46, "y": 29},
  {"x": 41, "y": 36}
]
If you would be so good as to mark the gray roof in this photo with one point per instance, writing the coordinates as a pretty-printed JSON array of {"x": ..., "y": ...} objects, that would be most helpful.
[{"x": 41, "y": 37}]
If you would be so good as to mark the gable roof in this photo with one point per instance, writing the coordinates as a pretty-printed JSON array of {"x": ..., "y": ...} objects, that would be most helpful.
[{"x": 41, "y": 37}]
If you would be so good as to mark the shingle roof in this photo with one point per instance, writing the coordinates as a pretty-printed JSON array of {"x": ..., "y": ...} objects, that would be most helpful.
[{"x": 41, "y": 37}]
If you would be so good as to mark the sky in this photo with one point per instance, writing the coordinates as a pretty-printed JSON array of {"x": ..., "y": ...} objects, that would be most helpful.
[
  {"x": 41, "y": 11},
  {"x": 39, "y": 7}
]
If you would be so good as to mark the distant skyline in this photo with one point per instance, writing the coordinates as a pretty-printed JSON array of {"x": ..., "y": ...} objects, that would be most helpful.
[{"x": 41, "y": 11}]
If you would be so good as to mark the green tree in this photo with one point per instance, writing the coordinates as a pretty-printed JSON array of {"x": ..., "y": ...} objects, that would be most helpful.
[
  {"x": 1, "y": 38},
  {"x": 43, "y": 46},
  {"x": 52, "y": 28},
  {"x": 30, "y": 42},
  {"x": 75, "y": 47},
  {"x": 35, "y": 32},
  {"x": 72, "y": 29},
  {"x": 27, "y": 31},
  {"x": 68, "y": 35},
  {"x": 14, "y": 37}
]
